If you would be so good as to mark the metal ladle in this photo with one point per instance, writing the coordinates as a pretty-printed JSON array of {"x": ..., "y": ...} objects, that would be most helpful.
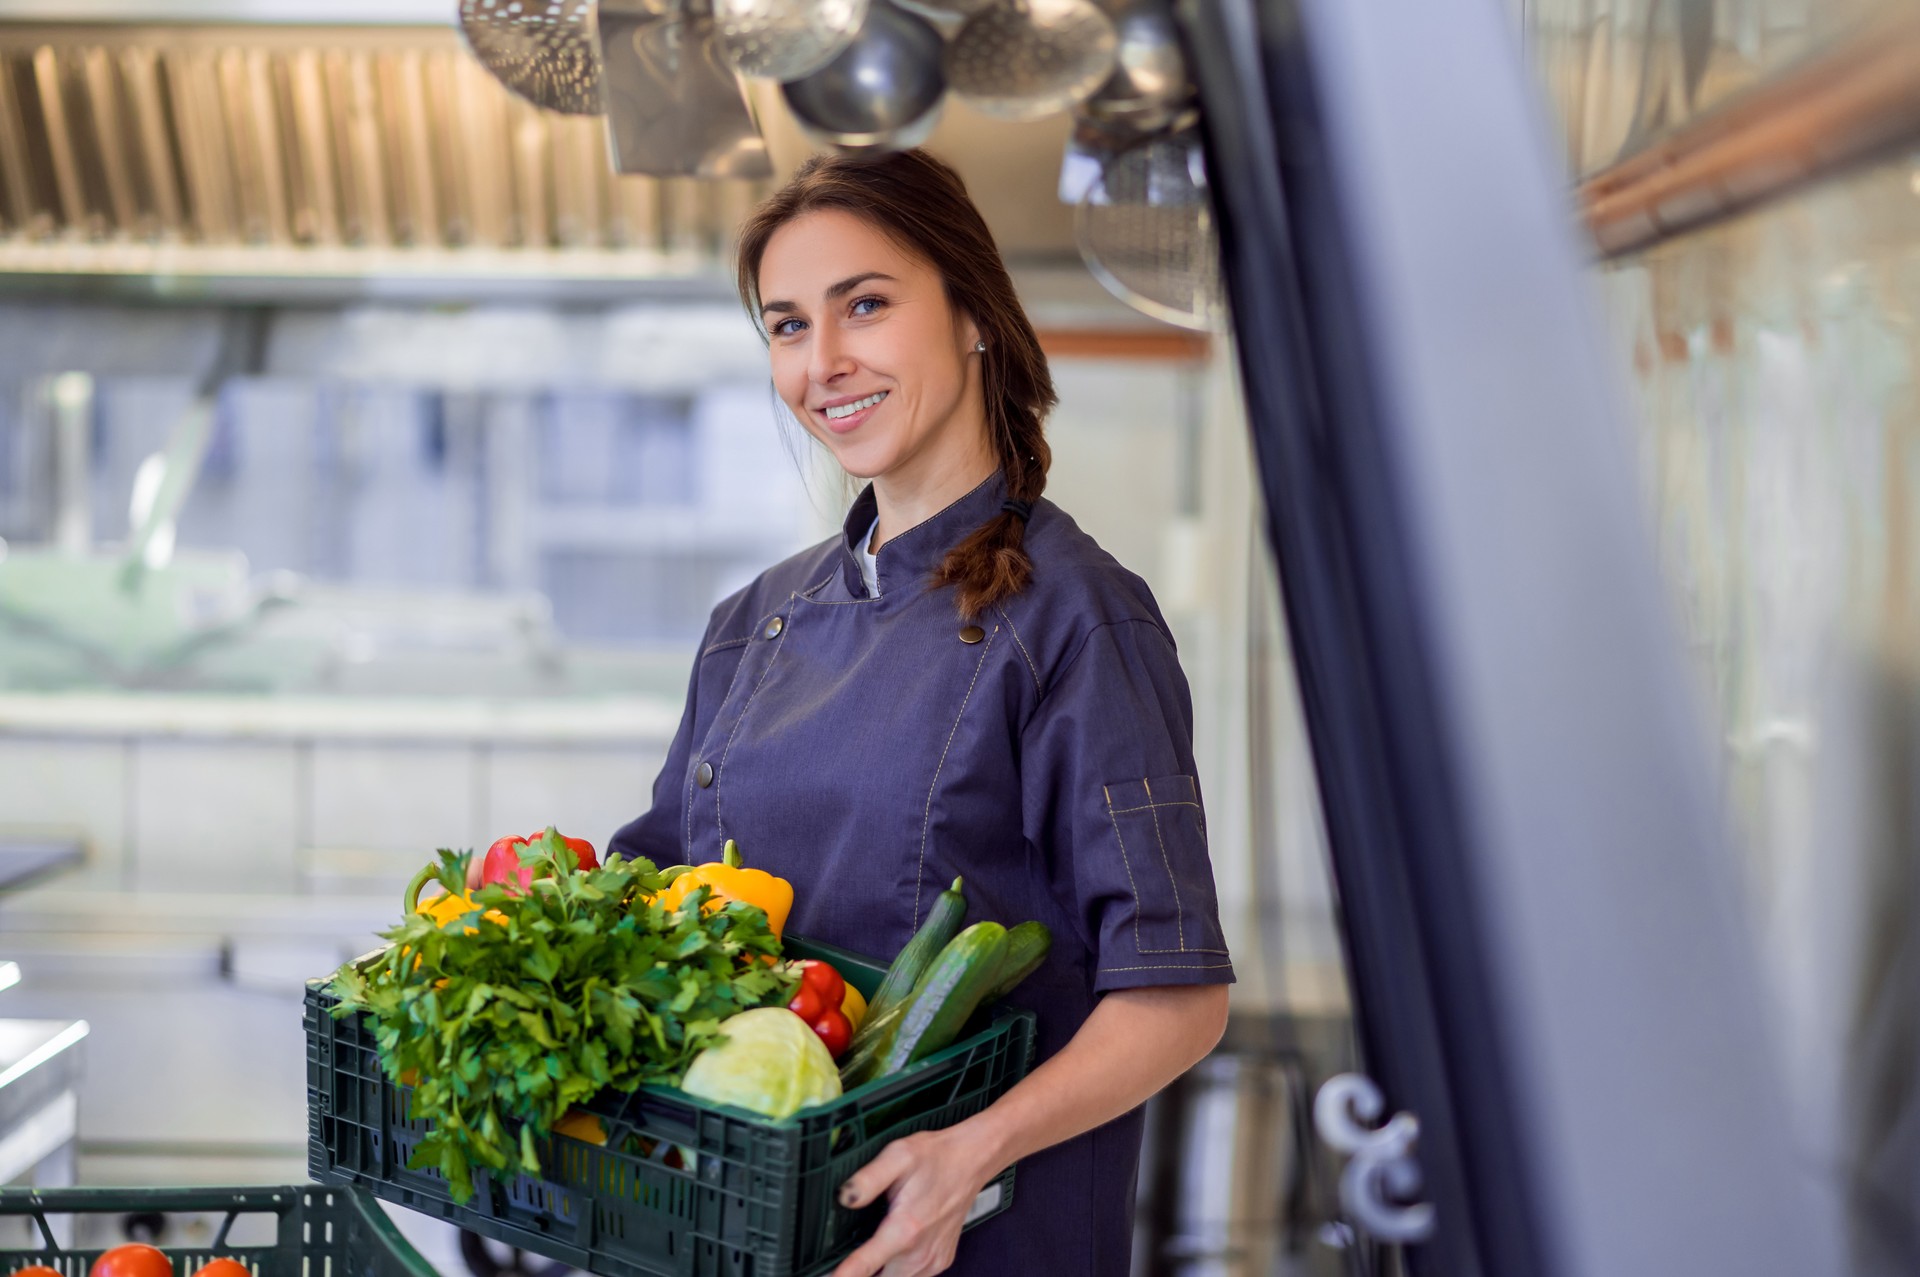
[
  {"x": 785, "y": 39},
  {"x": 1031, "y": 58},
  {"x": 1149, "y": 91},
  {"x": 543, "y": 50},
  {"x": 882, "y": 93}
]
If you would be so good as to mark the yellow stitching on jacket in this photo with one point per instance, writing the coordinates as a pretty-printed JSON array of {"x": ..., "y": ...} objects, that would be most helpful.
[
  {"x": 1179, "y": 913},
  {"x": 927, "y": 822},
  {"x": 1014, "y": 630},
  {"x": 1177, "y": 802},
  {"x": 724, "y": 644},
  {"x": 1126, "y": 860},
  {"x": 1178, "y": 966},
  {"x": 1114, "y": 815}
]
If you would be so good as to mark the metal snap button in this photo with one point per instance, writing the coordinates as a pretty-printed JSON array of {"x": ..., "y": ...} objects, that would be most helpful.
[
  {"x": 972, "y": 634},
  {"x": 703, "y": 775},
  {"x": 774, "y": 627}
]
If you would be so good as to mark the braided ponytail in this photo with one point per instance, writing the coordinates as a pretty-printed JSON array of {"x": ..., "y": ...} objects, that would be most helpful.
[{"x": 923, "y": 205}]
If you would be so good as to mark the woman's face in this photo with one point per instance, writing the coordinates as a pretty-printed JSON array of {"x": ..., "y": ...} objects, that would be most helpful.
[{"x": 868, "y": 354}]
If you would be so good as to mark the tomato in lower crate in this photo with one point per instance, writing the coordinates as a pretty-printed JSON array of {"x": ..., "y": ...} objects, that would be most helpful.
[
  {"x": 223, "y": 1268},
  {"x": 135, "y": 1259},
  {"x": 824, "y": 980},
  {"x": 835, "y": 1030},
  {"x": 36, "y": 1270}
]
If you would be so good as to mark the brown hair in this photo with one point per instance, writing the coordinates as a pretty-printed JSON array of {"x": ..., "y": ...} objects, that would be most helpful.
[{"x": 922, "y": 205}]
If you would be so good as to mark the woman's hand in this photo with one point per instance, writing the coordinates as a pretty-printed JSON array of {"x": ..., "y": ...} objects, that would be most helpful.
[
  {"x": 1135, "y": 1042},
  {"x": 930, "y": 1181}
]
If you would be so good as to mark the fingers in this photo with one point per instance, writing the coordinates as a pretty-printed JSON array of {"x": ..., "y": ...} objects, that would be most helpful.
[
  {"x": 887, "y": 1253},
  {"x": 474, "y": 868},
  {"x": 866, "y": 1185}
]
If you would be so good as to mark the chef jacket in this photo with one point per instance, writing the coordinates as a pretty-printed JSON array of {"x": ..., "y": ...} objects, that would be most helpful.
[{"x": 873, "y": 747}]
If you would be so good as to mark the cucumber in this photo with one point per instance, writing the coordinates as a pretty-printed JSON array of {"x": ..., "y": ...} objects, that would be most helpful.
[
  {"x": 945, "y": 998},
  {"x": 1027, "y": 947},
  {"x": 861, "y": 1063},
  {"x": 942, "y": 924}
]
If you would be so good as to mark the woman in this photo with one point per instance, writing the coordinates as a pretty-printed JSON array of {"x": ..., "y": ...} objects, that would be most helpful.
[{"x": 963, "y": 684}]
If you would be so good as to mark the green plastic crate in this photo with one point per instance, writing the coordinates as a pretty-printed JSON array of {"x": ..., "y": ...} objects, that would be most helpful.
[
  {"x": 320, "y": 1232},
  {"x": 759, "y": 1199}
]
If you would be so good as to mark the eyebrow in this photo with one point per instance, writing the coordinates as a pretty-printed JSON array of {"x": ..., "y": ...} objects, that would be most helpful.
[{"x": 834, "y": 293}]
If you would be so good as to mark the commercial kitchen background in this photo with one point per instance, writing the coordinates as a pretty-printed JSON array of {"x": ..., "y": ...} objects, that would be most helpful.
[{"x": 487, "y": 443}]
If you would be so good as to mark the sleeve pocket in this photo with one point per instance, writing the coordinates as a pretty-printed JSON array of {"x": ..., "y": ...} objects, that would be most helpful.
[{"x": 1162, "y": 836}]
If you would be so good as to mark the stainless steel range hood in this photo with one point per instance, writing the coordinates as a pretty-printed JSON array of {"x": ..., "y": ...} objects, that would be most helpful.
[{"x": 229, "y": 147}]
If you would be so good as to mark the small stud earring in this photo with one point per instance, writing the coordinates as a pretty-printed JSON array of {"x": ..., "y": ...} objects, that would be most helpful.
[{"x": 980, "y": 346}]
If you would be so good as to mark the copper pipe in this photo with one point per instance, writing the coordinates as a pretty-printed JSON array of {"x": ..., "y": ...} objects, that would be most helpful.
[
  {"x": 66, "y": 162},
  {"x": 452, "y": 163},
  {"x": 1852, "y": 101},
  {"x": 193, "y": 78},
  {"x": 639, "y": 219},
  {"x": 109, "y": 123},
  {"x": 140, "y": 68},
  {"x": 16, "y": 175},
  {"x": 317, "y": 216},
  {"x": 1134, "y": 345}
]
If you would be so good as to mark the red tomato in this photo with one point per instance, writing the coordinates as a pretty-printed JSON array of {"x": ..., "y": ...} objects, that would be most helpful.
[
  {"x": 824, "y": 980},
  {"x": 223, "y": 1268},
  {"x": 835, "y": 1030},
  {"x": 135, "y": 1259},
  {"x": 36, "y": 1270},
  {"x": 807, "y": 1004},
  {"x": 582, "y": 849}
]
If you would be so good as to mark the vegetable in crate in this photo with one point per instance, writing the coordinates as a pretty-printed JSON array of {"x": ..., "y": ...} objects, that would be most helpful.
[
  {"x": 514, "y": 860},
  {"x": 135, "y": 1259},
  {"x": 590, "y": 982},
  {"x": 819, "y": 1000},
  {"x": 726, "y": 880},
  {"x": 771, "y": 1062},
  {"x": 223, "y": 1268},
  {"x": 981, "y": 964}
]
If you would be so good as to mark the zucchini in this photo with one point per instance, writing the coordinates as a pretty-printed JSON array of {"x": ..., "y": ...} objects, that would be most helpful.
[
  {"x": 942, "y": 924},
  {"x": 1027, "y": 947},
  {"x": 945, "y": 998}
]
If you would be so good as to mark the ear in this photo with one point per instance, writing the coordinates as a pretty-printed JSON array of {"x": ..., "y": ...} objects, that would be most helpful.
[{"x": 969, "y": 334}]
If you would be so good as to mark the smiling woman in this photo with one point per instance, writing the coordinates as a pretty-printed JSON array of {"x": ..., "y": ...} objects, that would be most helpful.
[{"x": 961, "y": 685}]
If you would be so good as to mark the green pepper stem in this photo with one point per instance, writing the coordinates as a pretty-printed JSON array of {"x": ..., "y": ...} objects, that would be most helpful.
[
  {"x": 410, "y": 898},
  {"x": 730, "y": 854}
]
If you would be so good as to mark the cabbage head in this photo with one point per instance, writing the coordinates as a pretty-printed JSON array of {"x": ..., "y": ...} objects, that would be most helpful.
[{"x": 771, "y": 1062}]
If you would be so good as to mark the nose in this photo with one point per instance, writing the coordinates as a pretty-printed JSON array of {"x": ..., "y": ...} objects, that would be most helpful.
[{"x": 828, "y": 359}]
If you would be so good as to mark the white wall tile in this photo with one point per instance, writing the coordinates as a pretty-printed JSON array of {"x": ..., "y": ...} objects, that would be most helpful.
[
  {"x": 69, "y": 785},
  {"x": 397, "y": 798},
  {"x": 210, "y": 817},
  {"x": 587, "y": 793}
]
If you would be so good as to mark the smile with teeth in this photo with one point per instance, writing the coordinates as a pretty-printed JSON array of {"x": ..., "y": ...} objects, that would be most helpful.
[{"x": 858, "y": 405}]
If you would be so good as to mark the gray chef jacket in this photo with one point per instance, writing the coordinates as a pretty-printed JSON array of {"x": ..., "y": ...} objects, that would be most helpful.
[{"x": 872, "y": 748}]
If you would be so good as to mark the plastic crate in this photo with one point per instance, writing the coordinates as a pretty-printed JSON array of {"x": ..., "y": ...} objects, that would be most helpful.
[
  {"x": 319, "y": 1232},
  {"x": 758, "y": 1200}
]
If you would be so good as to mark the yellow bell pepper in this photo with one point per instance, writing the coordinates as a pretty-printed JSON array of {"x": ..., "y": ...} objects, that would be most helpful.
[
  {"x": 727, "y": 880},
  {"x": 444, "y": 908}
]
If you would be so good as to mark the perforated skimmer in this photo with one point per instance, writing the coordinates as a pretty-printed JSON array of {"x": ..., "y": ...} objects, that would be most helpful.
[{"x": 544, "y": 50}]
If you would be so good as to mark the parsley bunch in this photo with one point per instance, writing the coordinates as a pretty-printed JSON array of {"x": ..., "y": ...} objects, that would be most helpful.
[{"x": 585, "y": 985}]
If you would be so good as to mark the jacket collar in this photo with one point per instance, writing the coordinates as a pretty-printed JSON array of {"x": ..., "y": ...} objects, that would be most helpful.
[{"x": 909, "y": 556}]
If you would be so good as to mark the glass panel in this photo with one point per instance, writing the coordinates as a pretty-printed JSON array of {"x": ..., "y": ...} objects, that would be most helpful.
[{"x": 1776, "y": 378}]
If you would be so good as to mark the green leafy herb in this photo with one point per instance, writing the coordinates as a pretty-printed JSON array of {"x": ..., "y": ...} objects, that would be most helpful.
[{"x": 529, "y": 1004}]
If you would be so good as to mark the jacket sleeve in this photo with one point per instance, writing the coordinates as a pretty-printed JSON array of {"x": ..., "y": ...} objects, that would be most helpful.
[{"x": 1112, "y": 802}]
